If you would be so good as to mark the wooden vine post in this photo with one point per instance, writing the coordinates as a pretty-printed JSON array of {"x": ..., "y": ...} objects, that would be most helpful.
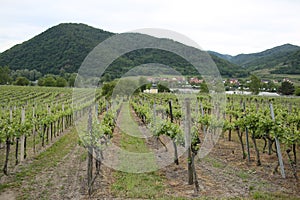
[
  {"x": 278, "y": 146},
  {"x": 247, "y": 134},
  {"x": 154, "y": 114},
  {"x": 202, "y": 114},
  {"x": 197, "y": 109},
  {"x": 97, "y": 150},
  {"x": 96, "y": 110},
  {"x": 230, "y": 119},
  {"x": 22, "y": 138},
  {"x": 174, "y": 143},
  {"x": 90, "y": 153},
  {"x": 188, "y": 140},
  {"x": 17, "y": 150},
  {"x": 106, "y": 105},
  {"x": 191, "y": 149},
  {"x": 63, "y": 119},
  {"x": 33, "y": 129},
  {"x": 49, "y": 129}
]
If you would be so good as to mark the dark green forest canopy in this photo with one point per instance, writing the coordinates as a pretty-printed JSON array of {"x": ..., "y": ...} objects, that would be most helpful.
[
  {"x": 63, "y": 48},
  {"x": 144, "y": 56},
  {"x": 289, "y": 66},
  {"x": 284, "y": 59},
  {"x": 60, "y": 48}
]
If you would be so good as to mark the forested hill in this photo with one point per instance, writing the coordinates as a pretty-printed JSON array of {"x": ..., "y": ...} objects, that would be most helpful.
[
  {"x": 62, "y": 48},
  {"x": 284, "y": 59}
]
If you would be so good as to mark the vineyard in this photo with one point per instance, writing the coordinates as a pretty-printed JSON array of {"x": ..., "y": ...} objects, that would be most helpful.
[
  {"x": 32, "y": 118},
  {"x": 57, "y": 145}
]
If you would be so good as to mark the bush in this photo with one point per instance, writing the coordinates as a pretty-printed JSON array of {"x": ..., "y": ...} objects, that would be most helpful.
[
  {"x": 287, "y": 88},
  {"x": 297, "y": 91},
  {"x": 61, "y": 82},
  {"x": 21, "y": 81}
]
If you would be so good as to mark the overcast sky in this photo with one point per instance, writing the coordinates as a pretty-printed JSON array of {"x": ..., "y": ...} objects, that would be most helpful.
[{"x": 225, "y": 26}]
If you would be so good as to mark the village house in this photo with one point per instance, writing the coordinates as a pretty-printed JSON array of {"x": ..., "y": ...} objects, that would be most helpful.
[{"x": 195, "y": 80}]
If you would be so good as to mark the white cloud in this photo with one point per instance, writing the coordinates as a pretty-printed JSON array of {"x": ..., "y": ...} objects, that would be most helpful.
[{"x": 231, "y": 26}]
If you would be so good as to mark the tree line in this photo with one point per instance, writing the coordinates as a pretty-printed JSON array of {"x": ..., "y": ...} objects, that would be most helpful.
[
  {"x": 286, "y": 87},
  {"x": 26, "y": 77}
]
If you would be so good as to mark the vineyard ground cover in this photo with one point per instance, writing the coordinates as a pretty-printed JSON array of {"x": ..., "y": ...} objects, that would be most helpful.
[
  {"x": 268, "y": 161},
  {"x": 30, "y": 154},
  {"x": 233, "y": 176},
  {"x": 56, "y": 173},
  {"x": 135, "y": 185}
]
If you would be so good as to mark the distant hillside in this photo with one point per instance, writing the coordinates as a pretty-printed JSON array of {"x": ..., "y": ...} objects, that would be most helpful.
[
  {"x": 223, "y": 56},
  {"x": 266, "y": 59},
  {"x": 229, "y": 69},
  {"x": 282, "y": 59},
  {"x": 62, "y": 48},
  {"x": 291, "y": 65}
]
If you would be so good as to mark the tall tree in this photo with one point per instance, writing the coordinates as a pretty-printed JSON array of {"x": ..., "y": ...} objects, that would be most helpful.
[
  {"x": 287, "y": 88},
  {"x": 108, "y": 88},
  {"x": 254, "y": 85},
  {"x": 204, "y": 88},
  {"x": 61, "y": 82},
  {"x": 48, "y": 80},
  {"x": 21, "y": 81},
  {"x": 162, "y": 88},
  {"x": 71, "y": 79},
  {"x": 4, "y": 75},
  {"x": 297, "y": 91}
]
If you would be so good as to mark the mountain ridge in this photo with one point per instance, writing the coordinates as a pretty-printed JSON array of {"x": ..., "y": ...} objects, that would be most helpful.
[
  {"x": 283, "y": 56},
  {"x": 63, "y": 47},
  {"x": 45, "y": 49}
]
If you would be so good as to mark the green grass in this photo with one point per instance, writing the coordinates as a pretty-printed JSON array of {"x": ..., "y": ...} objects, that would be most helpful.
[
  {"x": 133, "y": 144},
  {"x": 243, "y": 175},
  {"x": 135, "y": 157},
  {"x": 144, "y": 185},
  {"x": 215, "y": 163},
  {"x": 128, "y": 124},
  {"x": 271, "y": 196},
  {"x": 4, "y": 186}
]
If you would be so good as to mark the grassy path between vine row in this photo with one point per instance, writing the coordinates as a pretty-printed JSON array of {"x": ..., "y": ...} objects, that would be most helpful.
[{"x": 137, "y": 158}]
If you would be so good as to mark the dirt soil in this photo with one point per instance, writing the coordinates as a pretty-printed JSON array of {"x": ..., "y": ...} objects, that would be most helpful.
[{"x": 224, "y": 174}]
